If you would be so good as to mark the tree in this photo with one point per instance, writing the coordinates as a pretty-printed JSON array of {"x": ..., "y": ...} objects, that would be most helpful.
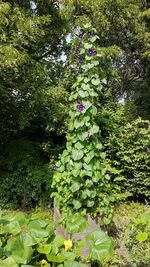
[{"x": 31, "y": 46}]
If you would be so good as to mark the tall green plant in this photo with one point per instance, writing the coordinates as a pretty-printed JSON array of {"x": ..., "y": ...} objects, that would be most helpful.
[{"x": 81, "y": 181}]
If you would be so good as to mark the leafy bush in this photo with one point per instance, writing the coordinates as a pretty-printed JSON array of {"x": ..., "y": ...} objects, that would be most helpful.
[
  {"x": 25, "y": 178},
  {"x": 128, "y": 148},
  {"x": 132, "y": 224},
  {"x": 31, "y": 241}
]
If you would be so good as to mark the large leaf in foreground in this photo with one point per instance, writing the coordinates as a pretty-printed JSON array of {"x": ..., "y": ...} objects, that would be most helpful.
[
  {"x": 16, "y": 248},
  {"x": 9, "y": 262},
  {"x": 101, "y": 246}
]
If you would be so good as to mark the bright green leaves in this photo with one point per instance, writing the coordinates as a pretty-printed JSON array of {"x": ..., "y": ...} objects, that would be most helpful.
[
  {"x": 89, "y": 183},
  {"x": 27, "y": 233},
  {"x": 101, "y": 247},
  {"x": 95, "y": 81},
  {"x": 77, "y": 204},
  {"x": 87, "y": 104},
  {"x": 86, "y": 79},
  {"x": 88, "y": 167},
  {"x": 90, "y": 204},
  {"x": 142, "y": 236},
  {"x": 75, "y": 187},
  {"x": 10, "y": 261},
  {"x": 54, "y": 249},
  {"x": 78, "y": 124},
  {"x": 89, "y": 157},
  {"x": 80, "y": 186},
  {"x": 73, "y": 264},
  {"x": 78, "y": 165},
  {"x": 94, "y": 110},
  {"x": 75, "y": 223},
  {"x": 56, "y": 258},
  {"x": 94, "y": 129},
  {"x": 44, "y": 249},
  {"x": 79, "y": 78},
  {"x": 83, "y": 93},
  {"x": 16, "y": 248},
  {"x": 99, "y": 146},
  {"x": 77, "y": 155},
  {"x": 28, "y": 239},
  {"x": 87, "y": 46}
]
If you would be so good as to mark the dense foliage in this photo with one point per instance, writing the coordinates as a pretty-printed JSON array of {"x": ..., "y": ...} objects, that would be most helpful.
[
  {"x": 122, "y": 25},
  {"x": 107, "y": 154},
  {"x": 29, "y": 82},
  {"x": 31, "y": 241},
  {"x": 82, "y": 181},
  {"x": 128, "y": 149},
  {"x": 35, "y": 80},
  {"x": 25, "y": 176}
]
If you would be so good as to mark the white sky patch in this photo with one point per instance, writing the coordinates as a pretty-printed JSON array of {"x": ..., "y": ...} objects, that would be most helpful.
[
  {"x": 63, "y": 57},
  {"x": 33, "y": 5},
  {"x": 69, "y": 38},
  {"x": 121, "y": 100}
]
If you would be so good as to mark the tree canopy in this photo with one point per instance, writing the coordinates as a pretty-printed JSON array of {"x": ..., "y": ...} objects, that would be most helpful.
[{"x": 35, "y": 47}]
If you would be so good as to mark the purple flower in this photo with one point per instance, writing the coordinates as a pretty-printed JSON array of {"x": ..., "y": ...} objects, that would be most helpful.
[
  {"x": 81, "y": 35},
  {"x": 76, "y": 54},
  {"x": 90, "y": 51},
  {"x": 79, "y": 46},
  {"x": 80, "y": 60},
  {"x": 89, "y": 34},
  {"x": 54, "y": 168},
  {"x": 80, "y": 107},
  {"x": 95, "y": 53}
]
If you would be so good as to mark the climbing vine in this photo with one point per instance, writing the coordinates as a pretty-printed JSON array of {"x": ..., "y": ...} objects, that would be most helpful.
[{"x": 81, "y": 181}]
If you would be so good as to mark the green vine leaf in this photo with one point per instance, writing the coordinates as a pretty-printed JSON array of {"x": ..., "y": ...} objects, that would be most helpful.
[
  {"x": 79, "y": 146},
  {"x": 77, "y": 154},
  {"x": 87, "y": 46},
  {"x": 77, "y": 204},
  {"x": 95, "y": 81},
  {"x": 75, "y": 223},
  {"x": 75, "y": 187}
]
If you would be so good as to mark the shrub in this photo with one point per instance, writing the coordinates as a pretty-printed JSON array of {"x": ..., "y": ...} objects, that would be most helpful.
[
  {"x": 25, "y": 178},
  {"x": 128, "y": 148}
]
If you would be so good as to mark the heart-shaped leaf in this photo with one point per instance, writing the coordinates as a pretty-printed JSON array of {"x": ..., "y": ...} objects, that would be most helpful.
[
  {"x": 101, "y": 246},
  {"x": 95, "y": 81},
  {"x": 44, "y": 249},
  {"x": 86, "y": 80},
  {"x": 75, "y": 187},
  {"x": 77, "y": 204},
  {"x": 16, "y": 248},
  {"x": 77, "y": 154},
  {"x": 87, "y": 46}
]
